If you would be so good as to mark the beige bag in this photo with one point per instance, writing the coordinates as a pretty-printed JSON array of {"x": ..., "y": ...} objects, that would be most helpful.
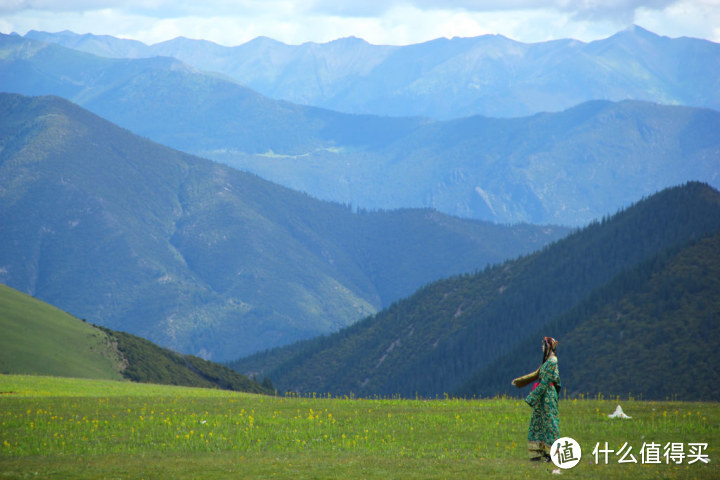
[{"x": 520, "y": 382}]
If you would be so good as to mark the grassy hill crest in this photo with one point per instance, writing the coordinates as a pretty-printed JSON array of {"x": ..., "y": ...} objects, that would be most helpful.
[{"x": 40, "y": 339}]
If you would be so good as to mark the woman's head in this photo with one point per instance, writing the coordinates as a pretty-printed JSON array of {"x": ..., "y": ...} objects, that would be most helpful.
[{"x": 549, "y": 347}]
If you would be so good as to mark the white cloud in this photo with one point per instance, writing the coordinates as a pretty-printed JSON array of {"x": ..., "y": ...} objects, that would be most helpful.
[
  {"x": 699, "y": 18},
  {"x": 581, "y": 8}
]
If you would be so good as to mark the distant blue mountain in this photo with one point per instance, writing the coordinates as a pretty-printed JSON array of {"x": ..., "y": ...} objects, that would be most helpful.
[
  {"x": 449, "y": 78},
  {"x": 568, "y": 168}
]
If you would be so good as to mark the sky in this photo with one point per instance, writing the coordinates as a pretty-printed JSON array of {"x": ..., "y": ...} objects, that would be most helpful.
[{"x": 380, "y": 22}]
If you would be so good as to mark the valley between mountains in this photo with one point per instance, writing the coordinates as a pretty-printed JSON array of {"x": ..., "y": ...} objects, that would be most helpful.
[{"x": 200, "y": 257}]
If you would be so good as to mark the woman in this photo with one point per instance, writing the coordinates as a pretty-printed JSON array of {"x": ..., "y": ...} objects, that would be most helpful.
[{"x": 545, "y": 421}]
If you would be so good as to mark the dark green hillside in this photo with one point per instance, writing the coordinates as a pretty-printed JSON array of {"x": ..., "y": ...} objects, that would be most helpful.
[
  {"x": 196, "y": 256},
  {"x": 148, "y": 363},
  {"x": 40, "y": 339},
  {"x": 436, "y": 340},
  {"x": 652, "y": 332}
]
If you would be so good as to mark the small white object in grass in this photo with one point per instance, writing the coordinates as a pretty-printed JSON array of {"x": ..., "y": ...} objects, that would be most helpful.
[{"x": 618, "y": 413}]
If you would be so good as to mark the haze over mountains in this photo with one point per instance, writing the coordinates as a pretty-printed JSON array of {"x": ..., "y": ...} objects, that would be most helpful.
[
  {"x": 448, "y": 78},
  {"x": 198, "y": 256},
  {"x": 565, "y": 168}
]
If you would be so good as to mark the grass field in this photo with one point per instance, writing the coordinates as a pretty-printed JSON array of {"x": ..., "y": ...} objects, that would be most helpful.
[{"x": 71, "y": 428}]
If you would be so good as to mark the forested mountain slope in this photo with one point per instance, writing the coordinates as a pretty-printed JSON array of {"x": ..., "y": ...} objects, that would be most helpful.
[
  {"x": 435, "y": 341},
  {"x": 652, "y": 332}
]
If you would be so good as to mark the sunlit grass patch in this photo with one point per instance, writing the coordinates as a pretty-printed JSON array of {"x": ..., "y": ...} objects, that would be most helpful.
[{"x": 43, "y": 386}]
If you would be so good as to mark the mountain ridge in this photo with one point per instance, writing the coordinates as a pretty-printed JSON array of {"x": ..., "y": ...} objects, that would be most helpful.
[
  {"x": 451, "y": 78},
  {"x": 196, "y": 256}
]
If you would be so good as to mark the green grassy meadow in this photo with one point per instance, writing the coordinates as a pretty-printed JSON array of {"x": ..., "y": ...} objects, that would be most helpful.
[{"x": 78, "y": 428}]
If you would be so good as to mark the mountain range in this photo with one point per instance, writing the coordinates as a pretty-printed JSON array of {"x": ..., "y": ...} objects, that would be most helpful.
[
  {"x": 197, "y": 256},
  {"x": 445, "y": 79},
  {"x": 205, "y": 259},
  {"x": 633, "y": 300},
  {"x": 566, "y": 168}
]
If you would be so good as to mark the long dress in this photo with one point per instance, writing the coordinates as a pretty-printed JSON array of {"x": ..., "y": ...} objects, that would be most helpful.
[{"x": 545, "y": 420}]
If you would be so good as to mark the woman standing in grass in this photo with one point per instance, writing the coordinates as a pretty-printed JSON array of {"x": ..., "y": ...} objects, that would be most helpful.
[{"x": 545, "y": 420}]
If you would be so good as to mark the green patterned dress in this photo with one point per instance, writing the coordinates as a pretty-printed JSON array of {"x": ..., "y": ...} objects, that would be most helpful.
[{"x": 545, "y": 421}]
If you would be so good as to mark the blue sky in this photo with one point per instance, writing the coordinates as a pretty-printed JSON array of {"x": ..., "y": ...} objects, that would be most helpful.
[{"x": 395, "y": 22}]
